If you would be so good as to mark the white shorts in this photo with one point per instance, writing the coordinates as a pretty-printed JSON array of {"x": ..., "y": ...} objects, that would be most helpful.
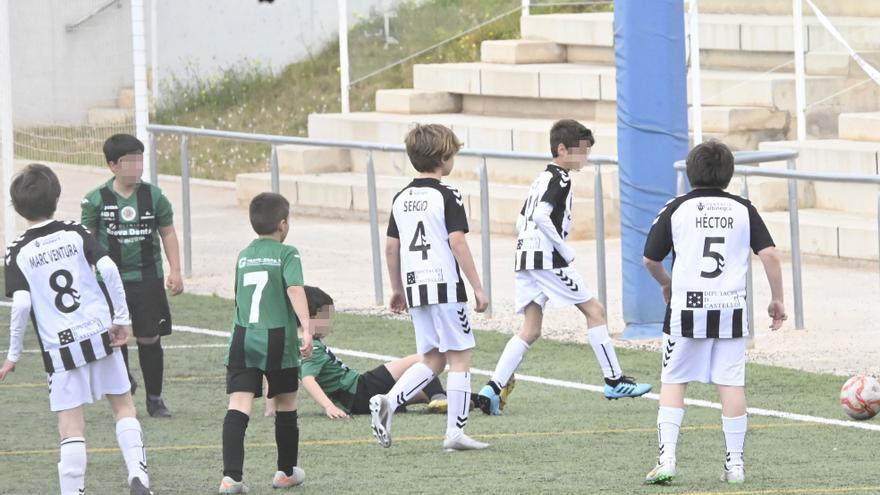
[
  {"x": 716, "y": 361},
  {"x": 88, "y": 383},
  {"x": 561, "y": 286},
  {"x": 445, "y": 327}
]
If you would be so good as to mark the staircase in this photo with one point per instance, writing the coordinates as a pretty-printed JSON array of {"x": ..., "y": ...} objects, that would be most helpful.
[{"x": 563, "y": 67}]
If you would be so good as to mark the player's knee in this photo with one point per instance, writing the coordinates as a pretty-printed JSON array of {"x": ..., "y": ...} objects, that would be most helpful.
[
  {"x": 594, "y": 310},
  {"x": 285, "y": 402},
  {"x": 530, "y": 334}
]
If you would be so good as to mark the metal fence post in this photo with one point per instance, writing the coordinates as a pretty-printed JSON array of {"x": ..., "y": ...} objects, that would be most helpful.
[
  {"x": 679, "y": 183},
  {"x": 878, "y": 224},
  {"x": 744, "y": 192},
  {"x": 187, "y": 214},
  {"x": 485, "y": 227},
  {"x": 797, "y": 282},
  {"x": 600, "y": 236},
  {"x": 374, "y": 229},
  {"x": 154, "y": 160},
  {"x": 273, "y": 170}
]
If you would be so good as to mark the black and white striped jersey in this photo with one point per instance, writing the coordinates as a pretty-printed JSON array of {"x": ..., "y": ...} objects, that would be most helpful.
[
  {"x": 535, "y": 249},
  {"x": 423, "y": 214},
  {"x": 53, "y": 262},
  {"x": 710, "y": 233}
]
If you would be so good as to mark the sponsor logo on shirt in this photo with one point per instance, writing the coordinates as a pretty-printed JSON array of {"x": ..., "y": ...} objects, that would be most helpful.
[{"x": 128, "y": 213}]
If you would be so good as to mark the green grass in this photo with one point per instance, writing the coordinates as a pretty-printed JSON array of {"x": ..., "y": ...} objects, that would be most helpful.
[{"x": 550, "y": 440}]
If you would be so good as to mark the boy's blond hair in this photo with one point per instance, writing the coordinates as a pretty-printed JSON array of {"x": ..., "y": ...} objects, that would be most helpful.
[{"x": 429, "y": 145}]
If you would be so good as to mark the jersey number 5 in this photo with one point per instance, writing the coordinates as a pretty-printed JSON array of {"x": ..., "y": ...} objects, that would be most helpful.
[
  {"x": 715, "y": 255},
  {"x": 258, "y": 279},
  {"x": 419, "y": 242}
]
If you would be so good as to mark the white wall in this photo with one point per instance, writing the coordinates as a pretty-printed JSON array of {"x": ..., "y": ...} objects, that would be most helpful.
[{"x": 58, "y": 75}]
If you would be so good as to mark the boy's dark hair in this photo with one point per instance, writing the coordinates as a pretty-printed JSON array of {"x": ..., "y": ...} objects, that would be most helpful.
[
  {"x": 710, "y": 164},
  {"x": 429, "y": 145},
  {"x": 570, "y": 133},
  {"x": 317, "y": 299},
  {"x": 267, "y": 210},
  {"x": 35, "y": 192},
  {"x": 119, "y": 145}
]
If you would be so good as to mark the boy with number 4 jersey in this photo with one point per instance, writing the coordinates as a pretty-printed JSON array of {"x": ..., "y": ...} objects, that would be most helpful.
[
  {"x": 426, "y": 246},
  {"x": 49, "y": 277},
  {"x": 710, "y": 233},
  {"x": 544, "y": 272}
]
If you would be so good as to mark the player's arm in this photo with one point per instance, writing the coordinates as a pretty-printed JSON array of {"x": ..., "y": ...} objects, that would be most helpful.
[
  {"x": 21, "y": 309},
  {"x": 773, "y": 268},
  {"x": 317, "y": 393},
  {"x": 658, "y": 271},
  {"x": 541, "y": 217},
  {"x": 89, "y": 216},
  {"x": 172, "y": 253},
  {"x": 657, "y": 247},
  {"x": 462, "y": 253},
  {"x": 392, "y": 260},
  {"x": 121, "y": 329},
  {"x": 297, "y": 296}
]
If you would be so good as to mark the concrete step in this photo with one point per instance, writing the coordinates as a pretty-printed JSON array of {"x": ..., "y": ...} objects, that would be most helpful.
[
  {"x": 832, "y": 63},
  {"x": 345, "y": 195},
  {"x": 125, "y": 98},
  {"x": 547, "y": 108},
  {"x": 409, "y": 101},
  {"x": 863, "y": 126},
  {"x": 298, "y": 159},
  {"x": 107, "y": 116},
  {"x": 827, "y": 233},
  {"x": 591, "y": 29},
  {"x": 842, "y": 157},
  {"x": 521, "y": 52},
  {"x": 732, "y": 119},
  {"x": 783, "y": 7}
]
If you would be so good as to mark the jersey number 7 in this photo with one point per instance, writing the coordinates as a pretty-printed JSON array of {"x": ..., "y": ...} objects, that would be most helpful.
[
  {"x": 258, "y": 279},
  {"x": 419, "y": 241}
]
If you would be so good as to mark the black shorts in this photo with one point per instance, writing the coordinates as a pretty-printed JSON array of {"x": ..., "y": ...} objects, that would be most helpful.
[
  {"x": 376, "y": 381},
  {"x": 283, "y": 381},
  {"x": 148, "y": 306}
]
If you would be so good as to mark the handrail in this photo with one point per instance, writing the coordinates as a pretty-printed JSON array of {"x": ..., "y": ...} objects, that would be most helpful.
[
  {"x": 274, "y": 140},
  {"x": 101, "y": 8}
]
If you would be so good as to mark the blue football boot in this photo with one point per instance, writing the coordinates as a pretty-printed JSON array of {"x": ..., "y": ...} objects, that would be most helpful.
[
  {"x": 625, "y": 387},
  {"x": 488, "y": 401}
]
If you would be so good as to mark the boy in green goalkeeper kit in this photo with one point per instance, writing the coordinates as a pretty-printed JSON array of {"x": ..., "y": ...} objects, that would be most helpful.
[{"x": 342, "y": 391}]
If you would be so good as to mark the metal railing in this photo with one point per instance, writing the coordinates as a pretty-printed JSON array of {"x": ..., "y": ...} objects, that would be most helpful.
[
  {"x": 275, "y": 184},
  {"x": 793, "y": 175}
]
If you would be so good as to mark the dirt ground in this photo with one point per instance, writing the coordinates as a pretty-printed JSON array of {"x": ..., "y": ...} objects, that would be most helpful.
[{"x": 840, "y": 297}]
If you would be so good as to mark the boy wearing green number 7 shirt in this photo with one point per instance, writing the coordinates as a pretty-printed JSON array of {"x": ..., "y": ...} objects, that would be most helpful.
[{"x": 270, "y": 304}]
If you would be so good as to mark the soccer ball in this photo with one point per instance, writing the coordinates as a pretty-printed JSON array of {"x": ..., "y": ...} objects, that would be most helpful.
[{"x": 860, "y": 397}]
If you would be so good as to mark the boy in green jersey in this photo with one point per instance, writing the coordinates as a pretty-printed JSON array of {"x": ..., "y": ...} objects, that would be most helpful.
[
  {"x": 342, "y": 391},
  {"x": 129, "y": 217},
  {"x": 270, "y": 304}
]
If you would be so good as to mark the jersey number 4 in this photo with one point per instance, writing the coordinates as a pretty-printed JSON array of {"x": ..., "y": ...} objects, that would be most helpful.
[
  {"x": 420, "y": 242},
  {"x": 258, "y": 279},
  {"x": 715, "y": 255}
]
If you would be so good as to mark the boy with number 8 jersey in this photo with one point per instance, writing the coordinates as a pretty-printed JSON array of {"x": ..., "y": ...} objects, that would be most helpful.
[
  {"x": 270, "y": 303},
  {"x": 710, "y": 233}
]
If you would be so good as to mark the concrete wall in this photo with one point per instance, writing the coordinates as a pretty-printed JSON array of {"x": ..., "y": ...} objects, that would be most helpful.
[{"x": 58, "y": 75}]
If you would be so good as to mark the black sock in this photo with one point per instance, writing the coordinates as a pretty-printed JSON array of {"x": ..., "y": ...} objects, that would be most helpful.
[
  {"x": 234, "y": 425},
  {"x": 433, "y": 388},
  {"x": 287, "y": 440},
  {"x": 152, "y": 359}
]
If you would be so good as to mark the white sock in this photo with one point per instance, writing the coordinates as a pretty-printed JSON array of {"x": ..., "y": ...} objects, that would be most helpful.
[
  {"x": 735, "y": 436},
  {"x": 603, "y": 347},
  {"x": 413, "y": 380},
  {"x": 512, "y": 355},
  {"x": 131, "y": 442},
  {"x": 72, "y": 467},
  {"x": 668, "y": 426},
  {"x": 458, "y": 392}
]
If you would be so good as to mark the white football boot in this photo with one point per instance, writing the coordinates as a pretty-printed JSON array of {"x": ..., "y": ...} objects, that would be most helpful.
[
  {"x": 380, "y": 419},
  {"x": 734, "y": 474},
  {"x": 663, "y": 473},
  {"x": 229, "y": 485},
  {"x": 462, "y": 442},
  {"x": 281, "y": 480}
]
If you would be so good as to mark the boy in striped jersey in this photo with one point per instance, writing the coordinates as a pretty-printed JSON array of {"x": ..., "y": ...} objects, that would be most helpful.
[
  {"x": 49, "y": 277},
  {"x": 710, "y": 233},
  {"x": 425, "y": 248},
  {"x": 544, "y": 272},
  {"x": 270, "y": 303},
  {"x": 129, "y": 217}
]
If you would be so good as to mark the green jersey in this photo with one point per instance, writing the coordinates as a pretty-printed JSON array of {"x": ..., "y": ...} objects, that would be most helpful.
[
  {"x": 129, "y": 227},
  {"x": 264, "y": 326},
  {"x": 330, "y": 373}
]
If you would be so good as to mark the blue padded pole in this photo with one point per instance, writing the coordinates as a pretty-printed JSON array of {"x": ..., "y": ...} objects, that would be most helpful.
[{"x": 652, "y": 133}]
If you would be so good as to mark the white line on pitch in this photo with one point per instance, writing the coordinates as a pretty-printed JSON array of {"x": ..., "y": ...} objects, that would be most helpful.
[{"x": 570, "y": 385}]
